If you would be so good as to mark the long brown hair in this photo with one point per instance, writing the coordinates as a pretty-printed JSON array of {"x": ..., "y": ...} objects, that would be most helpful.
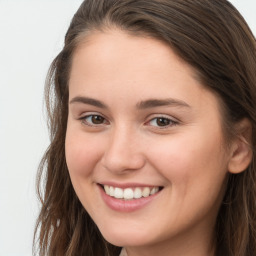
[{"x": 214, "y": 39}]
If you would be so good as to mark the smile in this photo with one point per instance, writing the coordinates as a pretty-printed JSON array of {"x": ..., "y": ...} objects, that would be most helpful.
[
  {"x": 130, "y": 193},
  {"x": 128, "y": 197}
]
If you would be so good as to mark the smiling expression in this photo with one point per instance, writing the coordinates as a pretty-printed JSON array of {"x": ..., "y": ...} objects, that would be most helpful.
[{"x": 144, "y": 143}]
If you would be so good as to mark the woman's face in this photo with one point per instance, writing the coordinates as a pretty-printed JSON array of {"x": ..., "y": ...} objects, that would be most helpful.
[{"x": 143, "y": 127}]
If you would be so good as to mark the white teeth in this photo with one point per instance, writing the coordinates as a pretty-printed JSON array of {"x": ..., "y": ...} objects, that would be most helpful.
[
  {"x": 146, "y": 192},
  {"x": 106, "y": 189},
  {"x": 130, "y": 193},
  {"x": 154, "y": 190},
  {"x": 111, "y": 191},
  {"x": 137, "y": 193},
  {"x": 118, "y": 193}
]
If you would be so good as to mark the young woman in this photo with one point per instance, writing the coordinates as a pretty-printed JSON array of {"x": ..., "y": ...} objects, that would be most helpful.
[{"x": 153, "y": 122}]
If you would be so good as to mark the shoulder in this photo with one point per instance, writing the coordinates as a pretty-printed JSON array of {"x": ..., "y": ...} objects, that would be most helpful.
[{"x": 123, "y": 253}]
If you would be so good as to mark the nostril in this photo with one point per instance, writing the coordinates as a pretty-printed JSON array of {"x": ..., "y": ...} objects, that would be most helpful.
[
  {"x": 120, "y": 163},
  {"x": 121, "y": 152}
]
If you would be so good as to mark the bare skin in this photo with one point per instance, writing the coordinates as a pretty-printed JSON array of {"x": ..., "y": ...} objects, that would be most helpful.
[{"x": 138, "y": 117}]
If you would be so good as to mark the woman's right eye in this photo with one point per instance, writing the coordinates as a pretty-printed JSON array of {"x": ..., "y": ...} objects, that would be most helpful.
[{"x": 93, "y": 120}]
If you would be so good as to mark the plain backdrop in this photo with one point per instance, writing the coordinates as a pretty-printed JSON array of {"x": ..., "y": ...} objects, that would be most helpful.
[{"x": 31, "y": 35}]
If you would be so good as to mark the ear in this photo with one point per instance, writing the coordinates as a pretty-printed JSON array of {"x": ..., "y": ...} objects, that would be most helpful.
[{"x": 241, "y": 153}]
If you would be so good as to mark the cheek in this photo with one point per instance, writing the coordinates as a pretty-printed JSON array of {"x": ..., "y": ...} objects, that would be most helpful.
[
  {"x": 82, "y": 156},
  {"x": 77, "y": 158},
  {"x": 195, "y": 172},
  {"x": 82, "y": 153},
  {"x": 192, "y": 160}
]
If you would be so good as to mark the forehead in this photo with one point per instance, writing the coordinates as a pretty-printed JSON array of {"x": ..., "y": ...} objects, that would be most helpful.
[
  {"x": 117, "y": 52},
  {"x": 131, "y": 67}
]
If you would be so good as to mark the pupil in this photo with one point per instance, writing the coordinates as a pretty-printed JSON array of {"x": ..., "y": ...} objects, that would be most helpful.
[
  {"x": 162, "y": 121},
  {"x": 97, "y": 119}
]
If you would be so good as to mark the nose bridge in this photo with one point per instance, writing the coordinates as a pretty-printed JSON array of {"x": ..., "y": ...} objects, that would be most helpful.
[{"x": 123, "y": 152}]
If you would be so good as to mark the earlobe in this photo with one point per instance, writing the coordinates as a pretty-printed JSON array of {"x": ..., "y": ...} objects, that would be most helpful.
[{"x": 241, "y": 154}]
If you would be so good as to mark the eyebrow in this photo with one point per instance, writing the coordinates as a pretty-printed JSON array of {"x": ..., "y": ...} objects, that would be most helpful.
[
  {"x": 89, "y": 101},
  {"x": 150, "y": 103}
]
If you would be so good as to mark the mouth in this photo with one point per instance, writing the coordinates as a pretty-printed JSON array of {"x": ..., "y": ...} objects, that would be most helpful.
[{"x": 130, "y": 193}]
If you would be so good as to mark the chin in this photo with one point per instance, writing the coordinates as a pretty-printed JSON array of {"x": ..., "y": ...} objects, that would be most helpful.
[{"x": 124, "y": 237}]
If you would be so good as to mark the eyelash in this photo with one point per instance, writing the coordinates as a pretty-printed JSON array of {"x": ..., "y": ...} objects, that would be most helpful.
[
  {"x": 84, "y": 120},
  {"x": 168, "y": 122}
]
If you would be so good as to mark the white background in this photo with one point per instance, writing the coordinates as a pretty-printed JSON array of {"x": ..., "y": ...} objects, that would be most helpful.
[{"x": 31, "y": 35}]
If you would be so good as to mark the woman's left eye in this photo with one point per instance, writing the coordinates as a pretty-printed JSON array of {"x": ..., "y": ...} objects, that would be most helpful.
[{"x": 161, "y": 122}]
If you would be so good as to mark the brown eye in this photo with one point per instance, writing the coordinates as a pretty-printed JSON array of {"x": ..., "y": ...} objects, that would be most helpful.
[
  {"x": 97, "y": 119},
  {"x": 94, "y": 120},
  {"x": 162, "y": 121}
]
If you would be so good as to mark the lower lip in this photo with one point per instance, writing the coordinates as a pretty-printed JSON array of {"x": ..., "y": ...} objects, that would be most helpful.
[{"x": 122, "y": 205}]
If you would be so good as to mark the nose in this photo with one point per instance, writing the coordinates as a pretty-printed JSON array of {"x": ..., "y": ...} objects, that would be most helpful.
[{"x": 123, "y": 152}]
